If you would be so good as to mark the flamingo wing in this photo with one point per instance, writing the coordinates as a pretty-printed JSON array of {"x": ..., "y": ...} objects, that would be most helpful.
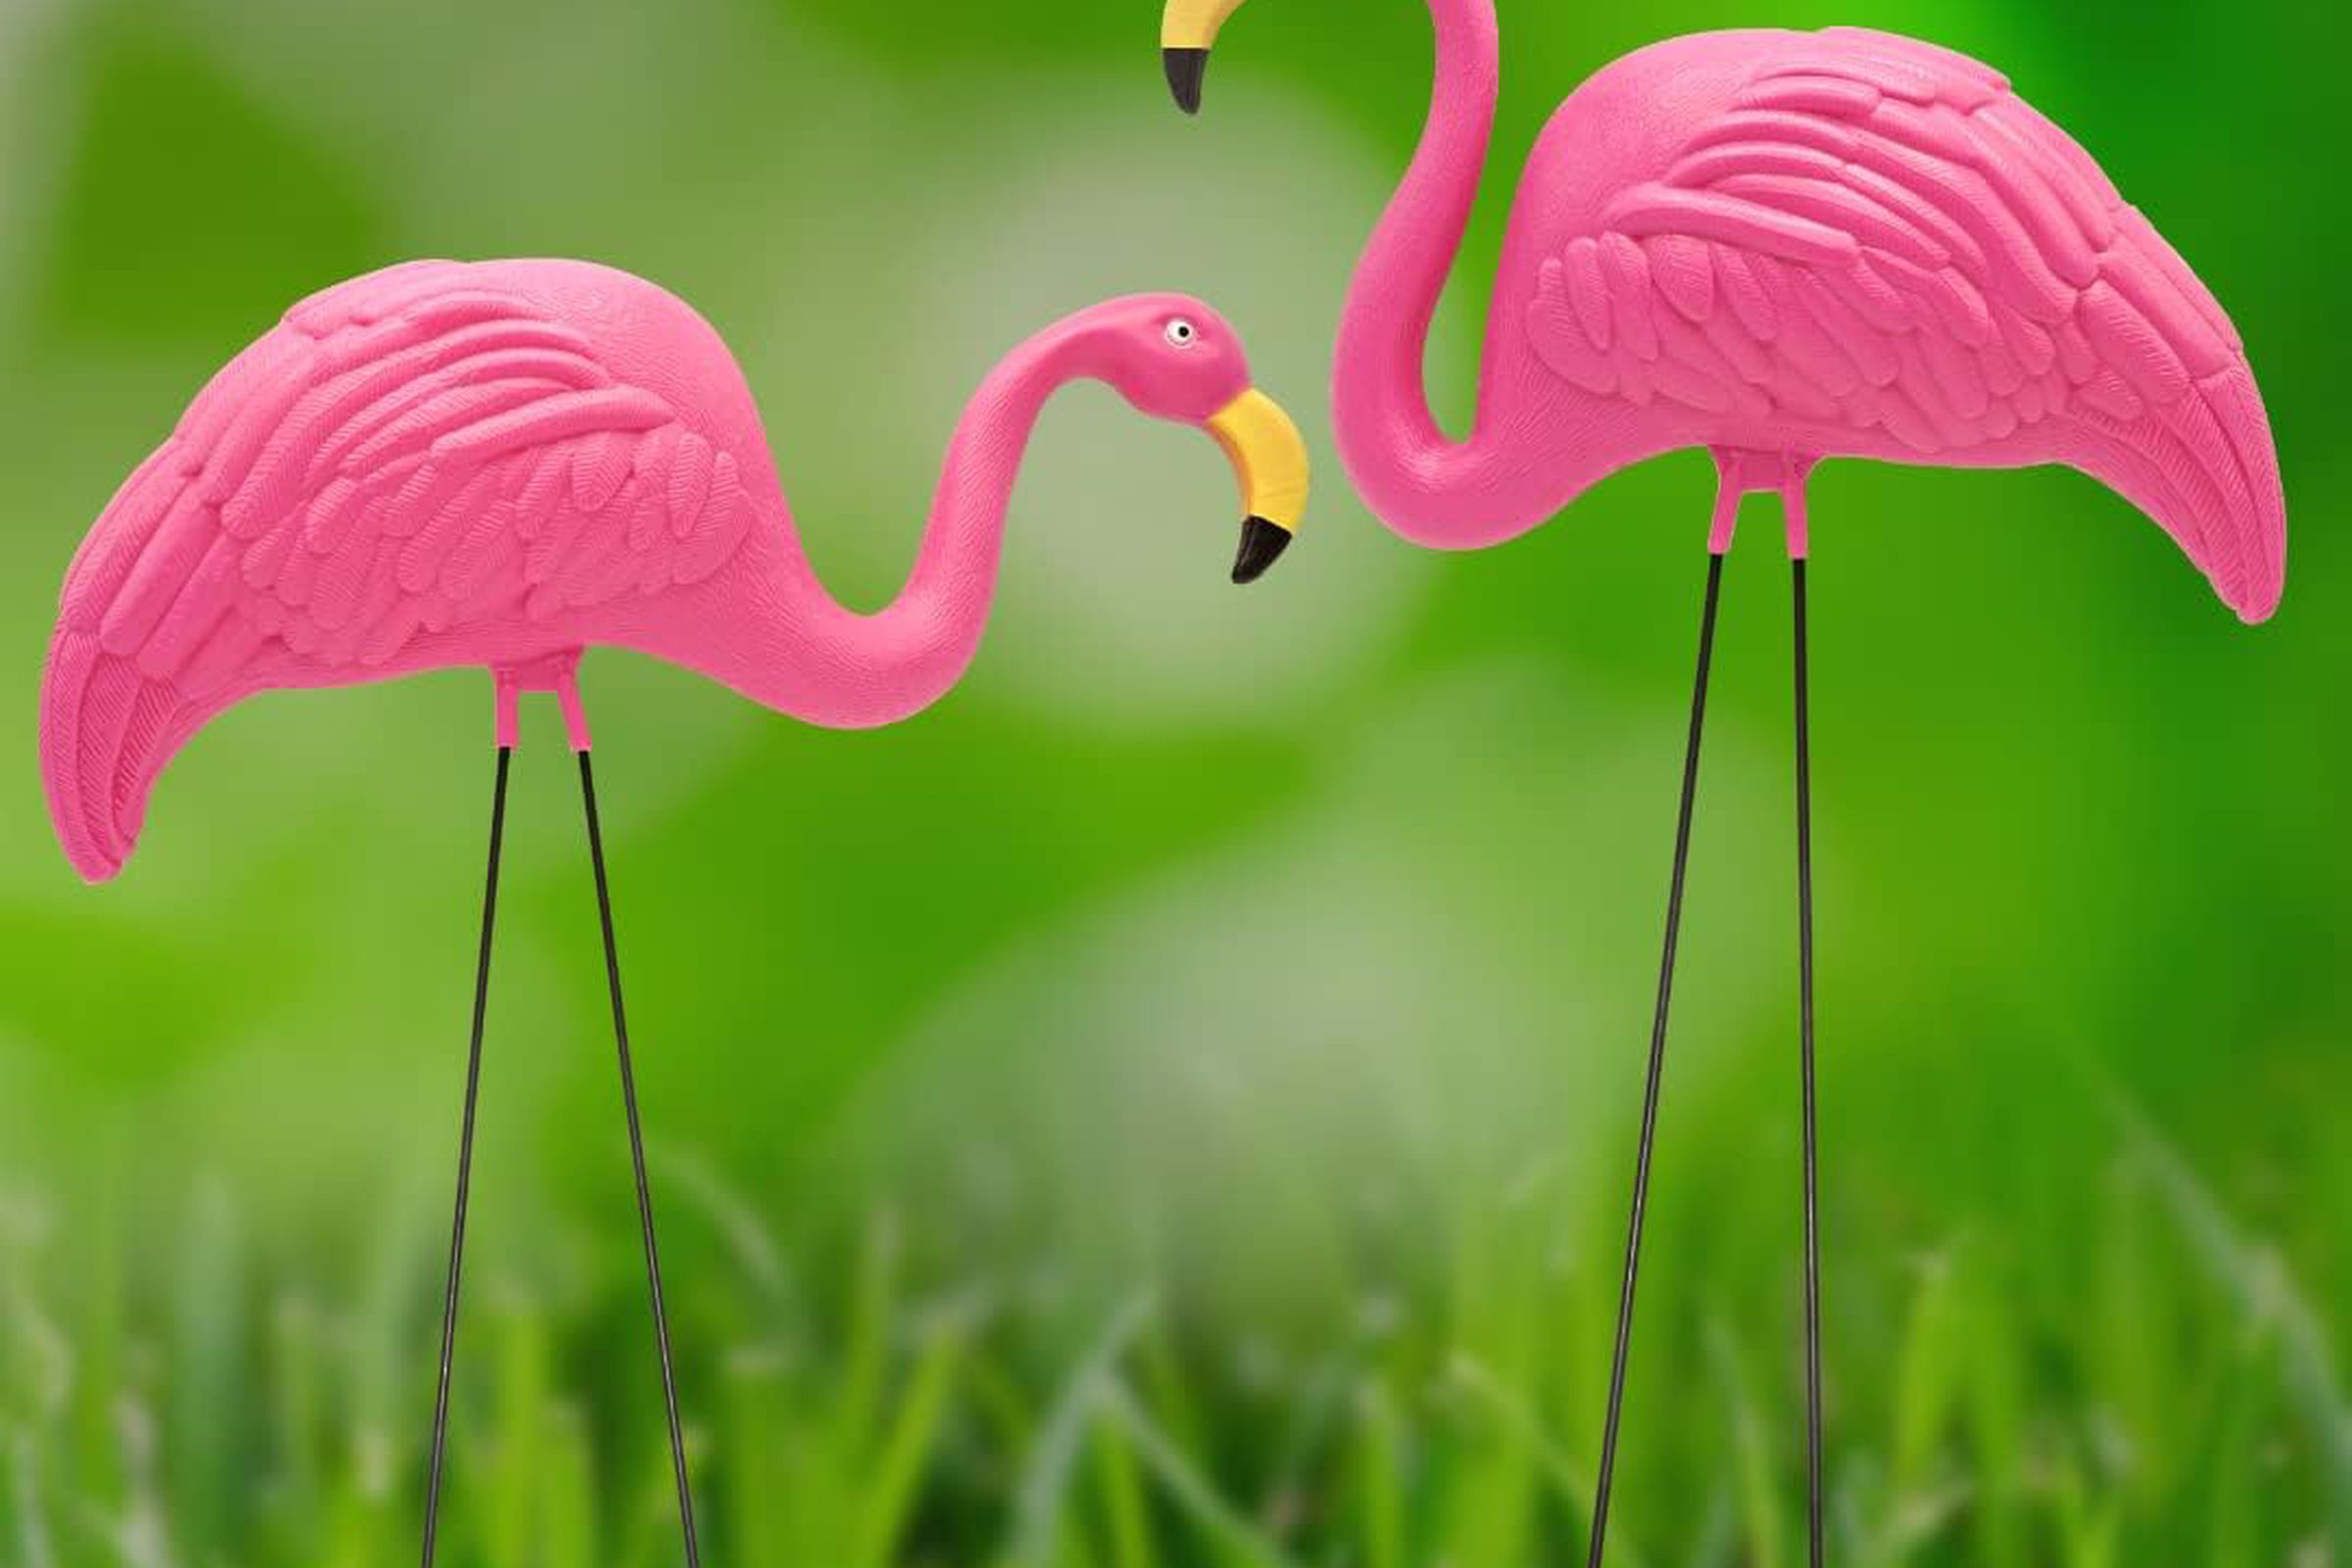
[
  {"x": 407, "y": 457},
  {"x": 1881, "y": 249}
]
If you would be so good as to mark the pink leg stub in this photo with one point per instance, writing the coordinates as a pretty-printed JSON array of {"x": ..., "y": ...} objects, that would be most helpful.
[
  {"x": 1727, "y": 517},
  {"x": 1742, "y": 473},
  {"x": 559, "y": 673},
  {"x": 1793, "y": 504}
]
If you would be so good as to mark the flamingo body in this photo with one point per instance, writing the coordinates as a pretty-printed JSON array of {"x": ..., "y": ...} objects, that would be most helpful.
[
  {"x": 1797, "y": 246},
  {"x": 1854, "y": 244},
  {"x": 501, "y": 464}
]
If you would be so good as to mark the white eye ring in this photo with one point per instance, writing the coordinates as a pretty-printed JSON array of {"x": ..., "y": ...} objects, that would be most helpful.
[{"x": 1182, "y": 334}]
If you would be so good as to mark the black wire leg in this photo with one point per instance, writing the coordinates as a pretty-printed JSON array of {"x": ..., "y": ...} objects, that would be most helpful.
[
  {"x": 645, "y": 1196},
  {"x": 457, "y": 1229},
  {"x": 1657, "y": 1065},
  {"x": 1804, "y": 941}
]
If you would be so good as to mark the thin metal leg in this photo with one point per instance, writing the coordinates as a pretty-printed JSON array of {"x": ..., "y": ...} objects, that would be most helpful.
[
  {"x": 1804, "y": 941},
  {"x": 645, "y": 1195},
  {"x": 457, "y": 1229},
  {"x": 1657, "y": 1064}
]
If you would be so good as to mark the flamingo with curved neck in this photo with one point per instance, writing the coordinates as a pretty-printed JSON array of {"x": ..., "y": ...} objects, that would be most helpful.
[
  {"x": 502, "y": 464},
  {"x": 1784, "y": 247},
  {"x": 1787, "y": 246}
]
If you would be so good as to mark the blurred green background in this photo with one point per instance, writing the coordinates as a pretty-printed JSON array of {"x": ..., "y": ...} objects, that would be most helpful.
[{"x": 1171, "y": 1103}]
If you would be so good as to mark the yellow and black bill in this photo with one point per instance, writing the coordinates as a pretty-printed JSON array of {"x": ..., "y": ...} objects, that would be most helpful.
[
  {"x": 1269, "y": 459},
  {"x": 1188, "y": 30}
]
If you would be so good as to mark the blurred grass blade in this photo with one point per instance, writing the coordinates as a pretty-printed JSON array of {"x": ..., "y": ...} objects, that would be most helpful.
[
  {"x": 1380, "y": 1476},
  {"x": 866, "y": 1357},
  {"x": 889, "y": 1482},
  {"x": 1765, "y": 1525},
  {"x": 568, "y": 1496},
  {"x": 1045, "y": 1485},
  {"x": 1188, "y": 1490},
  {"x": 1126, "y": 1511},
  {"x": 2265, "y": 1293},
  {"x": 760, "y": 1424},
  {"x": 1927, "y": 1372},
  {"x": 209, "y": 1374},
  {"x": 1570, "y": 1482}
]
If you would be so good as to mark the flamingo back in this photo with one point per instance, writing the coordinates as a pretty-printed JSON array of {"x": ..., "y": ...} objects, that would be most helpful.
[
  {"x": 436, "y": 465},
  {"x": 1866, "y": 245}
]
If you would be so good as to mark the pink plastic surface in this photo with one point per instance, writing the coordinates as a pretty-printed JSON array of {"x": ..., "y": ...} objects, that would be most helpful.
[
  {"x": 501, "y": 465},
  {"x": 1797, "y": 245}
]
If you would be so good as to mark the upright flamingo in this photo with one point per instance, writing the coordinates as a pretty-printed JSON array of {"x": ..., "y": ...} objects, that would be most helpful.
[
  {"x": 507, "y": 463},
  {"x": 1784, "y": 247}
]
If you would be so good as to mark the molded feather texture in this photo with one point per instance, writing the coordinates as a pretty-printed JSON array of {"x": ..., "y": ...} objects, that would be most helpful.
[
  {"x": 408, "y": 455},
  {"x": 1881, "y": 249}
]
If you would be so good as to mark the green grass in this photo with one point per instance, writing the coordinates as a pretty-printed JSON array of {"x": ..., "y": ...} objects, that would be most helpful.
[{"x": 856, "y": 1410}]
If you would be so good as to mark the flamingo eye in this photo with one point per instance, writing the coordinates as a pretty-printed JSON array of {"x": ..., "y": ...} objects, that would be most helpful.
[{"x": 1182, "y": 334}]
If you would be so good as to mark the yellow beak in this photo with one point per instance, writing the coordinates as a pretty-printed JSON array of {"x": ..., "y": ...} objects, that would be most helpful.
[
  {"x": 1269, "y": 459},
  {"x": 1188, "y": 30}
]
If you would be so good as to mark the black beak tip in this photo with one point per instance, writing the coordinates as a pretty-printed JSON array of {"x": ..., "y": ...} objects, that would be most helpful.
[
  {"x": 1262, "y": 545},
  {"x": 1187, "y": 69}
]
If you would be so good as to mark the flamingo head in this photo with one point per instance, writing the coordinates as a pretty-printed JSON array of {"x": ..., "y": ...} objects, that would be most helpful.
[
  {"x": 1187, "y": 32},
  {"x": 1175, "y": 359}
]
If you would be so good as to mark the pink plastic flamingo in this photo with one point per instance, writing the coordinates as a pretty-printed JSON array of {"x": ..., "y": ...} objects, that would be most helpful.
[
  {"x": 504, "y": 465},
  {"x": 1785, "y": 246}
]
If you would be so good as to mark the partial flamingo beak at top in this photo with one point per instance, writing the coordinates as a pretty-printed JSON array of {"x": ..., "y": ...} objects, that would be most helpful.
[
  {"x": 1187, "y": 32},
  {"x": 1269, "y": 459}
]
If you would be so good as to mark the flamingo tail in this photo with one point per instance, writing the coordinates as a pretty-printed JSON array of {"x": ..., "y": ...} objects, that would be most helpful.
[
  {"x": 107, "y": 732},
  {"x": 109, "y": 728},
  {"x": 2206, "y": 468}
]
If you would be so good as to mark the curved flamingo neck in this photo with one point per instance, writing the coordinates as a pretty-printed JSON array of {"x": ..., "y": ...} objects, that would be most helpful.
[
  {"x": 825, "y": 663},
  {"x": 1425, "y": 485}
]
